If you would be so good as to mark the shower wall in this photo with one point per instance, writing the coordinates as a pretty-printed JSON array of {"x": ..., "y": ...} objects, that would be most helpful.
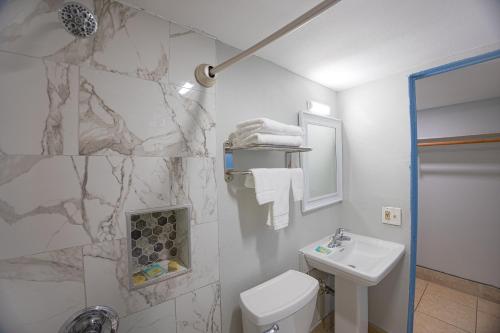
[{"x": 89, "y": 129}]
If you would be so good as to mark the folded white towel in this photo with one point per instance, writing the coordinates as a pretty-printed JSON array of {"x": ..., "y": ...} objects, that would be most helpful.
[
  {"x": 267, "y": 139},
  {"x": 267, "y": 126},
  {"x": 272, "y": 187}
]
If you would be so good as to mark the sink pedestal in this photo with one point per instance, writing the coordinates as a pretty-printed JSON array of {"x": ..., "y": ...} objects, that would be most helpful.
[{"x": 351, "y": 306}]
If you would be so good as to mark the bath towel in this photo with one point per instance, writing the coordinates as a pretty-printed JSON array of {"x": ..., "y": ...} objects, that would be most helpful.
[
  {"x": 266, "y": 126},
  {"x": 297, "y": 181},
  {"x": 272, "y": 188},
  {"x": 266, "y": 139}
]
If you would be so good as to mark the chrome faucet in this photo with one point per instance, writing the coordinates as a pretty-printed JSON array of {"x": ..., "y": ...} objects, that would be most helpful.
[{"x": 337, "y": 239}]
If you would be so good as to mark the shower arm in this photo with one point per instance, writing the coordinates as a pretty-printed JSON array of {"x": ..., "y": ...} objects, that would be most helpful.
[{"x": 205, "y": 74}]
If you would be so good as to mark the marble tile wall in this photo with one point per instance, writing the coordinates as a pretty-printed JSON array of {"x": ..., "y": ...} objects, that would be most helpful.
[
  {"x": 90, "y": 129},
  {"x": 106, "y": 273},
  {"x": 39, "y": 292}
]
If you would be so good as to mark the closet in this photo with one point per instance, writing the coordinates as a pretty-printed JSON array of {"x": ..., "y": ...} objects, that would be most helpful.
[{"x": 458, "y": 121}]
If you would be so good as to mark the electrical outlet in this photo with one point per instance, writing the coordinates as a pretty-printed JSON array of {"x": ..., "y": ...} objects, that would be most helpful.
[{"x": 391, "y": 215}]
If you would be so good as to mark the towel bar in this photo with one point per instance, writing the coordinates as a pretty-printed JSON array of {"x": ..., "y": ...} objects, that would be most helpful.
[{"x": 228, "y": 148}]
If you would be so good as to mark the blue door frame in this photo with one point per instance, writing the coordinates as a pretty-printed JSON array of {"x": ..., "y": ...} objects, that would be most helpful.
[{"x": 414, "y": 160}]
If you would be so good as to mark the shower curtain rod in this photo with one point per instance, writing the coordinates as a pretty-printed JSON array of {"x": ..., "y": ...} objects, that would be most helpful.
[{"x": 205, "y": 74}]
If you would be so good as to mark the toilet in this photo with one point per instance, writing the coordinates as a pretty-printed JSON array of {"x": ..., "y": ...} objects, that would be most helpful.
[{"x": 285, "y": 303}]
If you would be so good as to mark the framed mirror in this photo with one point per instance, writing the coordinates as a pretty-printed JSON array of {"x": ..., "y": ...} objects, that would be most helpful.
[{"x": 323, "y": 165}]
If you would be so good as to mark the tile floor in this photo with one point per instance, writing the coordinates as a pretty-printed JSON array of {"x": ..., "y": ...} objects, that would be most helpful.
[
  {"x": 327, "y": 325},
  {"x": 443, "y": 310}
]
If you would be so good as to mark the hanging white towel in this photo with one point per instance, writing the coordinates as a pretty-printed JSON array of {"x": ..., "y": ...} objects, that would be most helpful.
[
  {"x": 297, "y": 183},
  {"x": 272, "y": 187},
  {"x": 265, "y": 189},
  {"x": 267, "y": 139},
  {"x": 297, "y": 180},
  {"x": 267, "y": 126}
]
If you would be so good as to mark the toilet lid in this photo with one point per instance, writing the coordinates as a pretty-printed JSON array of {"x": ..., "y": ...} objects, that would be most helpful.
[{"x": 278, "y": 298}]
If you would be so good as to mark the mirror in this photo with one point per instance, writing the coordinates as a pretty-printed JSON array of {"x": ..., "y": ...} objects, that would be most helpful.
[{"x": 323, "y": 165}]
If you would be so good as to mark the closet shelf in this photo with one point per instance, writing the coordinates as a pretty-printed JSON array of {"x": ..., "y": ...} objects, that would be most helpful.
[
  {"x": 229, "y": 170},
  {"x": 460, "y": 140}
]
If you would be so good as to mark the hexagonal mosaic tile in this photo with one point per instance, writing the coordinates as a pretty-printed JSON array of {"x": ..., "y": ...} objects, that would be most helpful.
[{"x": 153, "y": 238}]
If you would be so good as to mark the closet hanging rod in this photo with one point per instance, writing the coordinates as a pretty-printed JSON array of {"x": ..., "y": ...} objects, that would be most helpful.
[
  {"x": 472, "y": 139},
  {"x": 205, "y": 74}
]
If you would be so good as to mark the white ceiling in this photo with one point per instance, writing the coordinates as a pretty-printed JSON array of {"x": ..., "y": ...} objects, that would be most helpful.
[{"x": 354, "y": 42}]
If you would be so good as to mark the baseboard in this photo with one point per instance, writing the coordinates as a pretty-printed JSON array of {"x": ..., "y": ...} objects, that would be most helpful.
[
  {"x": 470, "y": 287},
  {"x": 372, "y": 328}
]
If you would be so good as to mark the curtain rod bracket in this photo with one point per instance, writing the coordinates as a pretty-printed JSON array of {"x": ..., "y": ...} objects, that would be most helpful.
[{"x": 203, "y": 75}]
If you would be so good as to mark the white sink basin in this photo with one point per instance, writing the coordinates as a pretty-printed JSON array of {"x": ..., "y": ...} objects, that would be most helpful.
[
  {"x": 363, "y": 260},
  {"x": 357, "y": 264}
]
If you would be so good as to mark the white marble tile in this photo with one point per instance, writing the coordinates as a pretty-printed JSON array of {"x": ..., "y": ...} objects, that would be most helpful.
[
  {"x": 188, "y": 49},
  {"x": 49, "y": 203},
  {"x": 40, "y": 204},
  {"x": 128, "y": 41},
  {"x": 38, "y": 293},
  {"x": 123, "y": 115},
  {"x": 107, "y": 282},
  {"x": 199, "y": 311},
  {"x": 178, "y": 181},
  {"x": 194, "y": 112},
  {"x": 158, "y": 319},
  {"x": 130, "y": 116},
  {"x": 39, "y": 106},
  {"x": 194, "y": 183}
]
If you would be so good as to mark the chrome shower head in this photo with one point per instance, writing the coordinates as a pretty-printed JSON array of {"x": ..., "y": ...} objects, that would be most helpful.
[{"x": 78, "y": 20}]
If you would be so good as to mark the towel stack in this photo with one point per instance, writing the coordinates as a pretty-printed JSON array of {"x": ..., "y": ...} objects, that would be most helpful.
[{"x": 264, "y": 131}]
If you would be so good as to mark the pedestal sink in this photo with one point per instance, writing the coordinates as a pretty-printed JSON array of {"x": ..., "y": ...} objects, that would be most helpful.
[{"x": 357, "y": 264}]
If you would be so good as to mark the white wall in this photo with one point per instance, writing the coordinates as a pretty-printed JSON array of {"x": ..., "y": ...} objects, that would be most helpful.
[
  {"x": 376, "y": 173},
  {"x": 460, "y": 119},
  {"x": 459, "y": 213},
  {"x": 251, "y": 253}
]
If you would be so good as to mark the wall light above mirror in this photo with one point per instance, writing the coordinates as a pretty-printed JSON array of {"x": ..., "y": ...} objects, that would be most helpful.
[
  {"x": 318, "y": 108},
  {"x": 323, "y": 165}
]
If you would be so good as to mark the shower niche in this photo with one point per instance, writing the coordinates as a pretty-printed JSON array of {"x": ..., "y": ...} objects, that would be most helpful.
[{"x": 158, "y": 244}]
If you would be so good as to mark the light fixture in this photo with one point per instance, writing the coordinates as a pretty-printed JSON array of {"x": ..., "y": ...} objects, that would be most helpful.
[
  {"x": 185, "y": 88},
  {"x": 318, "y": 108}
]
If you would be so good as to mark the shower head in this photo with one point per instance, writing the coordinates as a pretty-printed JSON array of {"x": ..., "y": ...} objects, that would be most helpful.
[{"x": 78, "y": 20}]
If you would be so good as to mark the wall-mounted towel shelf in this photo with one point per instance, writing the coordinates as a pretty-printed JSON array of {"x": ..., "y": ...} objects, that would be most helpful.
[{"x": 229, "y": 170}]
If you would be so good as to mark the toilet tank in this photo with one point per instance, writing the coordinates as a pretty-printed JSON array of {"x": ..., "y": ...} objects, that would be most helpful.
[{"x": 287, "y": 300}]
